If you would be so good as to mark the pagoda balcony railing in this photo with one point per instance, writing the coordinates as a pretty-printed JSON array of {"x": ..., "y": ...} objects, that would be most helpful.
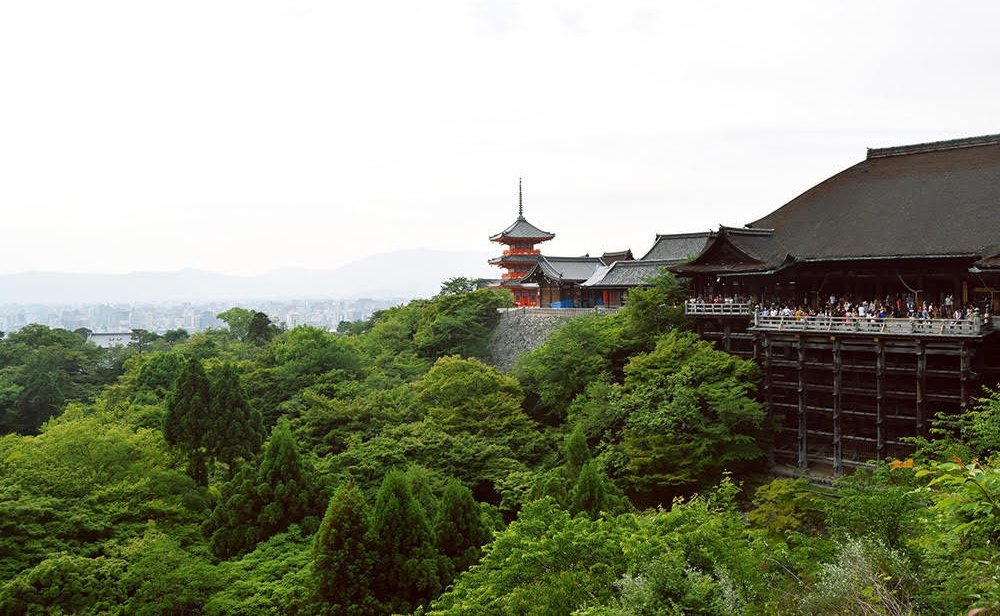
[
  {"x": 513, "y": 275},
  {"x": 521, "y": 251},
  {"x": 717, "y": 309},
  {"x": 973, "y": 326}
]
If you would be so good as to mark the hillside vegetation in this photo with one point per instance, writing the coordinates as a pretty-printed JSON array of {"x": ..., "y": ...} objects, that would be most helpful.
[{"x": 620, "y": 468}]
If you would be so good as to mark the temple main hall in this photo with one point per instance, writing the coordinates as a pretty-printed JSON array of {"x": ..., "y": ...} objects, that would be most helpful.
[{"x": 867, "y": 300}]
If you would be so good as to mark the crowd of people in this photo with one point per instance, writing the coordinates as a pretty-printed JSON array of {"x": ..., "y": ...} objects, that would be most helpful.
[{"x": 900, "y": 306}]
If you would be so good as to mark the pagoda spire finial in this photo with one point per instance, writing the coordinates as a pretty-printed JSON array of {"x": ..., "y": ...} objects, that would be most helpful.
[{"x": 520, "y": 199}]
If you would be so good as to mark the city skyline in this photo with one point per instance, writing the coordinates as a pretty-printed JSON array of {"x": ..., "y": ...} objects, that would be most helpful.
[
  {"x": 242, "y": 138},
  {"x": 192, "y": 317}
]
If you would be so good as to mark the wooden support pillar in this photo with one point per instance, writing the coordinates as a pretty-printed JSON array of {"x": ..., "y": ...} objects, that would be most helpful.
[
  {"x": 727, "y": 338},
  {"x": 964, "y": 372},
  {"x": 801, "y": 369},
  {"x": 838, "y": 453},
  {"x": 921, "y": 387},
  {"x": 762, "y": 355},
  {"x": 768, "y": 354},
  {"x": 879, "y": 406}
]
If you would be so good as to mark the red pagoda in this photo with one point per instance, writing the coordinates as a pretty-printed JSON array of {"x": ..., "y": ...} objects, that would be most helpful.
[{"x": 520, "y": 256}]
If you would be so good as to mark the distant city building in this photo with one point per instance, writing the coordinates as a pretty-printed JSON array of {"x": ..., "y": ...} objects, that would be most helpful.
[
  {"x": 109, "y": 340},
  {"x": 159, "y": 318}
]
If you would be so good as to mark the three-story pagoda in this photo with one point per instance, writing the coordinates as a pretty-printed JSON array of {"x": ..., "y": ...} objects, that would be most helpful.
[{"x": 520, "y": 255}]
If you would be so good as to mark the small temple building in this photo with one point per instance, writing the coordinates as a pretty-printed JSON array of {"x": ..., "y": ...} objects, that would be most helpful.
[
  {"x": 610, "y": 284},
  {"x": 558, "y": 280},
  {"x": 520, "y": 255}
]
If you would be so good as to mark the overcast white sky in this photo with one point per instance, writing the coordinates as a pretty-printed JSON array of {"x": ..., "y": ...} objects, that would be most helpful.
[{"x": 244, "y": 136}]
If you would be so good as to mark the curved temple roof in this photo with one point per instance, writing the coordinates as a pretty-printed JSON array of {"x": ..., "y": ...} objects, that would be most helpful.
[
  {"x": 926, "y": 200},
  {"x": 627, "y": 274},
  {"x": 564, "y": 269},
  {"x": 677, "y": 246},
  {"x": 522, "y": 230}
]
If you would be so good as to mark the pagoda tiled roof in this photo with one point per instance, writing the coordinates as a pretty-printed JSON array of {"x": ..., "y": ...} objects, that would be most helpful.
[
  {"x": 930, "y": 200},
  {"x": 522, "y": 230},
  {"x": 514, "y": 259}
]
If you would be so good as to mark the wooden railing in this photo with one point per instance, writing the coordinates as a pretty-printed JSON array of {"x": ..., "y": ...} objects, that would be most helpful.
[
  {"x": 712, "y": 309},
  {"x": 559, "y": 311},
  {"x": 521, "y": 251},
  {"x": 972, "y": 326}
]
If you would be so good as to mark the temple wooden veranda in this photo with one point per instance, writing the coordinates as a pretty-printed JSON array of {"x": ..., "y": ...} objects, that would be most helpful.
[{"x": 867, "y": 300}]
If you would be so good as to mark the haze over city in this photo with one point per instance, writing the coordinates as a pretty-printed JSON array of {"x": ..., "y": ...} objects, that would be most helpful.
[{"x": 243, "y": 137}]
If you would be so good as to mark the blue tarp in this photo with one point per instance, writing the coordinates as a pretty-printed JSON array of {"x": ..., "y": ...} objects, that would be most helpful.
[{"x": 565, "y": 303}]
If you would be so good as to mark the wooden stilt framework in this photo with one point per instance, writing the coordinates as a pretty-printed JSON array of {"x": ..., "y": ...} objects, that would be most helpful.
[{"x": 843, "y": 400}]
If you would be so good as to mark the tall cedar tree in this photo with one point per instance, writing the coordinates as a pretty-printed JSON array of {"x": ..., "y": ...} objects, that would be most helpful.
[
  {"x": 188, "y": 421},
  {"x": 590, "y": 495},
  {"x": 264, "y": 499},
  {"x": 238, "y": 429},
  {"x": 408, "y": 573},
  {"x": 342, "y": 556},
  {"x": 459, "y": 529},
  {"x": 576, "y": 451}
]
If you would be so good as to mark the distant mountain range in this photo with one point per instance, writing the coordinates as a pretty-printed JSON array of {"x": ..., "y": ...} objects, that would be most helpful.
[{"x": 403, "y": 274}]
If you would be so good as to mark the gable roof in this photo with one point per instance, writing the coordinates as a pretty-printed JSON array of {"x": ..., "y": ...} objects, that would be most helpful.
[
  {"x": 621, "y": 255},
  {"x": 564, "y": 269},
  {"x": 626, "y": 274},
  {"x": 734, "y": 250},
  {"x": 522, "y": 230},
  {"x": 677, "y": 246}
]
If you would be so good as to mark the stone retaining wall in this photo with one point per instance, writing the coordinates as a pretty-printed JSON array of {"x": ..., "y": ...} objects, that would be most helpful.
[{"x": 523, "y": 330}]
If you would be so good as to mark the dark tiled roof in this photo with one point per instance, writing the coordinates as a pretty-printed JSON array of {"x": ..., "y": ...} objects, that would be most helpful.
[
  {"x": 514, "y": 259},
  {"x": 734, "y": 250},
  {"x": 622, "y": 255},
  {"x": 927, "y": 200},
  {"x": 564, "y": 269},
  {"x": 677, "y": 246},
  {"x": 933, "y": 146},
  {"x": 522, "y": 230},
  {"x": 990, "y": 264},
  {"x": 919, "y": 202},
  {"x": 626, "y": 274}
]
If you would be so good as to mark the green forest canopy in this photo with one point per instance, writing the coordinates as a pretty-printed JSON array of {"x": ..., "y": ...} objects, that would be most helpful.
[{"x": 619, "y": 469}]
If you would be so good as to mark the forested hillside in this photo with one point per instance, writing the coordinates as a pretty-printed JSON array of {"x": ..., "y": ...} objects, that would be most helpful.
[{"x": 620, "y": 468}]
